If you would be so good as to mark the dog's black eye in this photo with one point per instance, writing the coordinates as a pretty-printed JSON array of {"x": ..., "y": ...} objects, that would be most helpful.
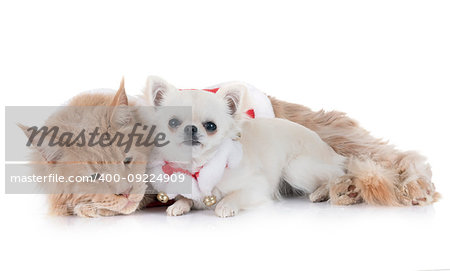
[
  {"x": 127, "y": 160},
  {"x": 95, "y": 176},
  {"x": 210, "y": 126},
  {"x": 174, "y": 123}
]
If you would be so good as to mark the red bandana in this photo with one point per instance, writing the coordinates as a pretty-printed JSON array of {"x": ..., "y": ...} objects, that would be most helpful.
[{"x": 251, "y": 113}]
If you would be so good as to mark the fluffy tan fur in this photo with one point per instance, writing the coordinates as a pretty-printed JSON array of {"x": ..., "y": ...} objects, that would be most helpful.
[
  {"x": 110, "y": 112},
  {"x": 377, "y": 173}
]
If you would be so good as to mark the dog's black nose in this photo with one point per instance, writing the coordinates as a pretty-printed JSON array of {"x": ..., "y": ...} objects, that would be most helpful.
[{"x": 190, "y": 130}]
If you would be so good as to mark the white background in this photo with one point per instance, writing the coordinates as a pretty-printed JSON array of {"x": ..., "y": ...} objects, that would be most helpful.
[{"x": 385, "y": 63}]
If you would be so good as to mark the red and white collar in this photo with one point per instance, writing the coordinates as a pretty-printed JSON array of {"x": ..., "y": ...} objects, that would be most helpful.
[{"x": 169, "y": 169}]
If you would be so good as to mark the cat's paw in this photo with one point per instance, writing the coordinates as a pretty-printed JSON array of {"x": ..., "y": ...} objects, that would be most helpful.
[
  {"x": 417, "y": 192},
  {"x": 106, "y": 212},
  {"x": 180, "y": 207},
  {"x": 345, "y": 192},
  {"x": 90, "y": 211},
  {"x": 225, "y": 210},
  {"x": 86, "y": 210},
  {"x": 415, "y": 186},
  {"x": 321, "y": 194}
]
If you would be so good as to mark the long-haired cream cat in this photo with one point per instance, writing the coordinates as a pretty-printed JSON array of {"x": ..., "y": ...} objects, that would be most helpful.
[{"x": 110, "y": 113}]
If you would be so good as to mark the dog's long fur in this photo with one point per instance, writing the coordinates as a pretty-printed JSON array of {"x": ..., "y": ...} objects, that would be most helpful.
[
  {"x": 377, "y": 173},
  {"x": 273, "y": 149},
  {"x": 276, "y": 150}
]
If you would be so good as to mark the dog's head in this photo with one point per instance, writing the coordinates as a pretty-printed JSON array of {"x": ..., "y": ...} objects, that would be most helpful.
[{"x": 198, "y": 120}]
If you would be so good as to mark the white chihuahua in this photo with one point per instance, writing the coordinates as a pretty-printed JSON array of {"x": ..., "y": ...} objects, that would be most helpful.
[{"x": 274, "y": 150}]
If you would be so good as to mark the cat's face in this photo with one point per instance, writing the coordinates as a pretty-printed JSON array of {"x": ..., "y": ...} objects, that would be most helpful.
[
  {"x": 113, "y": 170},
  {"x": 104, "y": 175}
]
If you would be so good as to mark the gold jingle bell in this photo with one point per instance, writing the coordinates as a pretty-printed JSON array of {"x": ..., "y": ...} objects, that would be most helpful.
[
  {"x": 209, "y": 200},
  {"x": 162, "y": 197}
]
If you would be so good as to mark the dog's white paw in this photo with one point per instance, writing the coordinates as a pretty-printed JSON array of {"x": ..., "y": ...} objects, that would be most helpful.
[
  {"x": 225, "y": 210},
  {"x": 178, "y": 209}
]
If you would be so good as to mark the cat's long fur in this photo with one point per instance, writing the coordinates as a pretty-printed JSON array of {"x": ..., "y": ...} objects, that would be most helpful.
[{"x": 377, "y": 173}]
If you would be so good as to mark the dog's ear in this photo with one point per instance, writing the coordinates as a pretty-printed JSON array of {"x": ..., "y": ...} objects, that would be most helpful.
[
  {"x": 234, "y": 95},
  {"x": 156, "y": 89},
  {"x": 41, "y": 142},
  {"x": 121, "y": 113}
]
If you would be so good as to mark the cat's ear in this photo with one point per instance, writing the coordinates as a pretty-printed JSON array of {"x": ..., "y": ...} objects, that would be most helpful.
[
  {"x": 41, "y": 142},
  {"x": 121, "y": 113},
  {"x": 234, "y": 95},
  {"x": 156, "y": 89}
]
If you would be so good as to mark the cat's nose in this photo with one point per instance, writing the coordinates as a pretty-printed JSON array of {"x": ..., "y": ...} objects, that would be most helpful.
[
  {"x": 190, "y": 129},
  {"x": 126, "y": 193}
]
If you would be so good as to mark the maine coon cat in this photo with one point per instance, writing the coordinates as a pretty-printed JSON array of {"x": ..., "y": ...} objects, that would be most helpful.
[{"x": 110, "y": 113}]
